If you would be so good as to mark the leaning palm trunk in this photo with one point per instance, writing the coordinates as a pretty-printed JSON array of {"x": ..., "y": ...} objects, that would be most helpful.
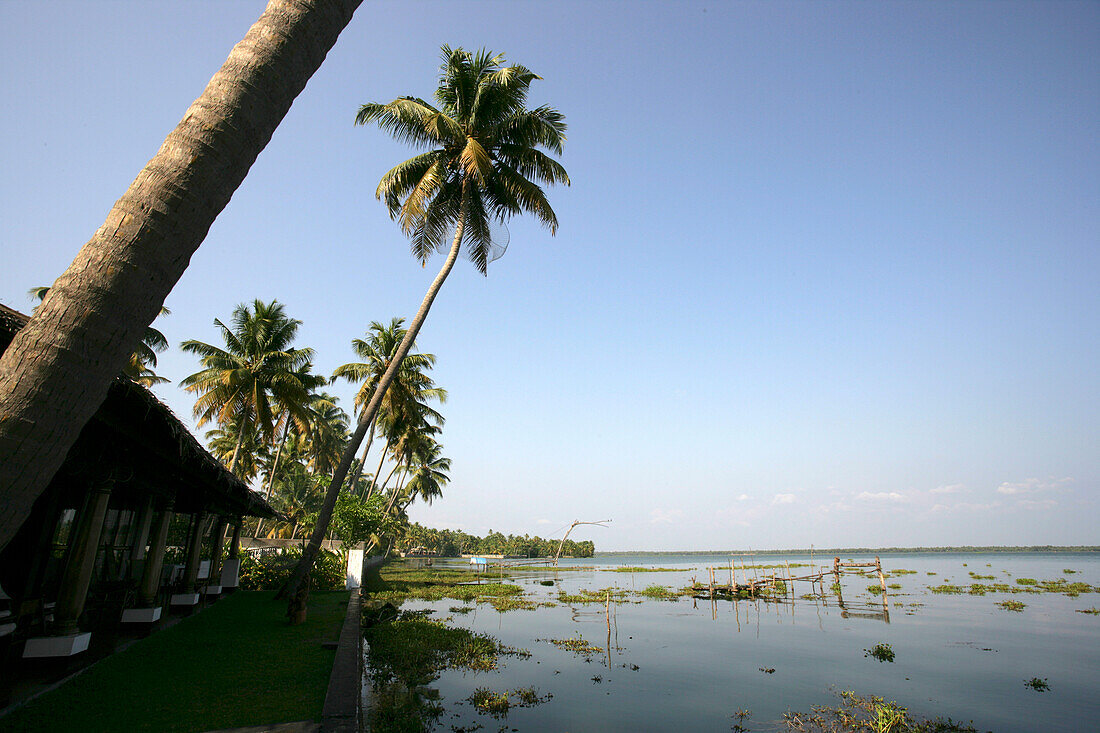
[
  {"x": 274, "y": 468},
  {"x": 305, "y": 564},
  {"x": 56, "y": 372},
  {"x": 363, "y": 459},
  {"x": 378, "y": 470}
]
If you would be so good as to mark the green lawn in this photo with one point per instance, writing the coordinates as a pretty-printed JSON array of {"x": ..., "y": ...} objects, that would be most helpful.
[{"x": 235, "y": 664}]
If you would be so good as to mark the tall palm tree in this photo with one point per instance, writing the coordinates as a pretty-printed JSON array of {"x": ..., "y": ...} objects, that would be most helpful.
[
  {"x": 256, "y": 377},
  {"x": 55, "y": 373},
  {"x": 429, "y": 473},
  {"x": 328, "y": 432},
  {"x": 481, "y": 162},
  {"x": 225, "y": 441},
  {"x": 144, "y": 358},
  {"x": 411, "y": 388}
]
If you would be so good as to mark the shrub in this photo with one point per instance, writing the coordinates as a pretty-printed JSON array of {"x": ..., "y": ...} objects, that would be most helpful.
[{"x": 271, "y": 571}]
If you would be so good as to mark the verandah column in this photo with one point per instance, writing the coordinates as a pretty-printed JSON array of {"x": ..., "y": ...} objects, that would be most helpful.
[
  {"x": 154, "y": 561},
  {"x": 217, "y": 541},
  {"x": 141, "y": 537},
  {"x": 194, "y": 547},
  {"x": 235, "y": 543},
  {"x": 78, "y": 570}
]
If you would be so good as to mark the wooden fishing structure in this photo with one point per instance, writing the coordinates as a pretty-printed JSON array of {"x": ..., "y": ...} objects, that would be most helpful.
[{"x": 781, "y": 583}]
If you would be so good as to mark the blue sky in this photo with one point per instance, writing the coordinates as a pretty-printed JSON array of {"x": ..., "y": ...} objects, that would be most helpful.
[{"x": 827, "y": 273}]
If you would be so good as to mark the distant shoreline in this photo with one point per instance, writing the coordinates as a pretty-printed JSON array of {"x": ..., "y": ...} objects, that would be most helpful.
[{"x": 964, "y": 549}]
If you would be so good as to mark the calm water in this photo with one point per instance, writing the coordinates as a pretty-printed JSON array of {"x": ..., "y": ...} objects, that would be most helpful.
[{"x": 698, "y": 663}]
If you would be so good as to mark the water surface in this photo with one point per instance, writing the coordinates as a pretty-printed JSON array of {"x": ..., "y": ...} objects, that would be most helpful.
[{"x": 693, "y": 664}]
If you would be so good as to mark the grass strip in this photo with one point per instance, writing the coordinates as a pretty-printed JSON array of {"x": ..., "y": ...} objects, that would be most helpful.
[{"x": 236, "y": 664}]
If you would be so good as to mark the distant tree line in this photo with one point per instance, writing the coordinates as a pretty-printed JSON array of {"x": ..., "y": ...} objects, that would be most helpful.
[
  {"x": 453, "y": 543},
  {"x": 880, "y": 550}
]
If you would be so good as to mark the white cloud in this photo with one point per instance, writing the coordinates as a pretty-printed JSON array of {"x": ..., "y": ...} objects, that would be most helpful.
[
  {"x": 544, "y": 521},
  {"x": 948, "y": 489},
  {"x": 1040, "y": 504},
  {"x": 967, "y": 507},
  {"x": 1033, "y": 485},
  {"x": 665, "y": 516},
  {"x": 783, "y": 499},
  {"x": 882, "y": 496},
  {"x": 743, "y": 497}
]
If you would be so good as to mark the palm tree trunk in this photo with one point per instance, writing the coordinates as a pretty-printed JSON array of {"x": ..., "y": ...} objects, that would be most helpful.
[
  {"x": 363, "y": 458},
  {"x": 274, "y": 468},
  {"x": 305, "y": 564},
  {"x": 374, "y": 478},
  {"x": 56, "y": 372},
  {"x": 388, "y": 477},
  {"x": 236, "y": 448}
]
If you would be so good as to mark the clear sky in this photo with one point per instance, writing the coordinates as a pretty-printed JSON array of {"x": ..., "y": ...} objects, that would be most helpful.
[{"x": 827, "y": 273}]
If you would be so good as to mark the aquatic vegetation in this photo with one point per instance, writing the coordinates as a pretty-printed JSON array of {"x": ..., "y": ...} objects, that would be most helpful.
[
  {"x": 1068, "y": 571},
  {"x": 637, "y": 569},
  {"x": 739, "y": 726},
  {"x": 578, "y": 645},
  {"x": 894, "y": 586},
  {"x": 498, "y": 704},
  {"x": 1012, "y": 606},
  {"x": 946, "y": 589},
  {"x": 873, "y": 714},
  {"x": 976, "y": 576},
  {"x": 902, "y": 572},
  {"x": 660, "y": 593},
  {"x": 881, "y": 652},
  {"x": 767, "y": 670},
  {"x": 510, "y": 603},
  {"x": 487, "y": 701},
  {"x": 929, "y": 573},
  {"x": 460, "y": 609},
  {"x": 1037, "y": 684},
  {"x": 836, "y": 587},
  {"x": 587, "y": 595},
  {"x": 548, "y": 583},
  {"x": 1023, "y": 585},
  {"x": 1094, "y": 611}
]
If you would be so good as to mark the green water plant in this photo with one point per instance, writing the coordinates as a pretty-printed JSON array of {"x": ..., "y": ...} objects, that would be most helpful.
[
  {"x": 1016, "y": 606},
  {"x": 859, "y": 714},
  {"x": 1094, "y": 611},
  {"x": 881, "y": 651},
  {"x": 638, "y": 569},
  {"x": 659, "y": 592},
  {"x": 1037, "y": 684}
]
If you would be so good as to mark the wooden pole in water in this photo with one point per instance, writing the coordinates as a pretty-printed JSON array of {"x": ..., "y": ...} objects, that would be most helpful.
[{"x": 882, "y": 582}]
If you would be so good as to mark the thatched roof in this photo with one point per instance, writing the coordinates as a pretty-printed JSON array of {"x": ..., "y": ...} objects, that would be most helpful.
[{"x": 160, "y": 452}]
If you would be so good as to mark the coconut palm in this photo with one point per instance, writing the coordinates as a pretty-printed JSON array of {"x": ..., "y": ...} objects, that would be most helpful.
[
  {"x": 144, "y": 358},
  {"x": 228, "y": 439},
  {"x": 411, "y": 388},
  {"x": 429, "y": 472},
  {"x": 56, "y": 372},
  {"x": 256, "y": 377},
  {"x": 481, "y": 162}
]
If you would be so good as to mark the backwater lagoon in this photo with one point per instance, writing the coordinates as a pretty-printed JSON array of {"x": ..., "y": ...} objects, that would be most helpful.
[{"x": 999, "y": 641}]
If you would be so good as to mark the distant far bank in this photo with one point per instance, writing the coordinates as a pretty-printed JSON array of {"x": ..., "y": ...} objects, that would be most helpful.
[{"x": 865, "y": 550}]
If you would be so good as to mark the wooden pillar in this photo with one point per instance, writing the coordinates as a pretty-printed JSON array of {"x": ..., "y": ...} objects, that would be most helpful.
[
  {"x": 154, "y": 561},
  {"x": 217, "y": 540},
  {"x": 194, "y": 552},
  {"x": 141, "y": 531},
  {"x": 235, "y": 543},
  {"x": 78, "y": 570}
]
